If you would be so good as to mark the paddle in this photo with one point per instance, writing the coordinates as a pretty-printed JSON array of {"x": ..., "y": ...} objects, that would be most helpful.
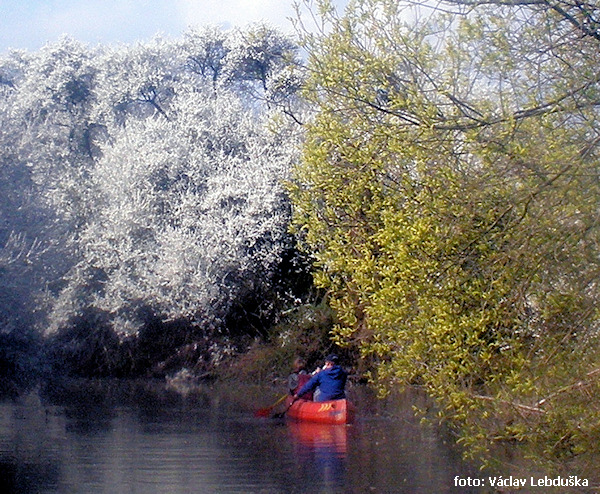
[
  {"x": 280, "y": 415},
  {"x": 266, "y": 412}
]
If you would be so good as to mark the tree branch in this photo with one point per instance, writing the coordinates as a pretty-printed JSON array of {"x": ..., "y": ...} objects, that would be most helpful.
[
  {"x": 589, "y": 29},
  {"x": 570, "y": 387},
  {"x": 520, "y": 406}
]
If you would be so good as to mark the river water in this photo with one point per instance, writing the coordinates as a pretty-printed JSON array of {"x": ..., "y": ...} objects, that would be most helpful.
[{"x": 107, "y": 438}]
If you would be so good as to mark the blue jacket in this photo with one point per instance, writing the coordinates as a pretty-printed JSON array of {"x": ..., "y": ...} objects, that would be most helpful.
[{"x": 331, "y": 382}]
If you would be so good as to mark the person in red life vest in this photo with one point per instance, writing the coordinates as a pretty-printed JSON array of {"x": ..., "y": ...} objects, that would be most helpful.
[{"x": 331, "y": 382}]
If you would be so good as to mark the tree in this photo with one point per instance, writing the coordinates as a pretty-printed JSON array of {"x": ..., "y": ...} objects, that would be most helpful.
[
  {"x": 141, "y": 193},
  {"x": 257, "y": 52},
  {"x": 190, "y": 217},
  {"x": 152, "y": 71},
  {"x": 447, "y": 191},
  {"x": 207, "y": 51},
  {"x": 30, "y": 234},
  {"x": 46, "y": 150}
]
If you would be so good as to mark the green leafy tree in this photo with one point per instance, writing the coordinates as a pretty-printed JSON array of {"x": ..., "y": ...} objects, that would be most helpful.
[{"x": 449, "y": 192}]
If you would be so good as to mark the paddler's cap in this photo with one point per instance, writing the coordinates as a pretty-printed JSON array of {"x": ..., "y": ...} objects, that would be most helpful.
[{"x": 332, "y": 358}]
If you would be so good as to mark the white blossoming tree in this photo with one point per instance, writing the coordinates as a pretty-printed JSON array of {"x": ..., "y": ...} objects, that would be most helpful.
[
  {"x": 148, "y": 180},
  {"x": 190, "y": 216}
]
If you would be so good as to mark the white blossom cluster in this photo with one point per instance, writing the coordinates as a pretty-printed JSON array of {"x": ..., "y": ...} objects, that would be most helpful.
[{"x": 145, "y": 178}]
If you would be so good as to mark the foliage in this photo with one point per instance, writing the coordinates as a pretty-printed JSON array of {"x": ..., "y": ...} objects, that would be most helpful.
[
  {"x": 302, "y": 331},
  {"x": 449, "y": 192},
  {"x": 194, "y": 219},
  {"x": 143, "y": 183}
]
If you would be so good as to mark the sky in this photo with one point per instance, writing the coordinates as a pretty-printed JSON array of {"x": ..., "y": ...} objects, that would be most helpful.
[{"x": 30, "y": 24}]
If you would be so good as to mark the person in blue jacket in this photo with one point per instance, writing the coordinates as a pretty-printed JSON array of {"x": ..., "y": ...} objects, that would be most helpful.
[{"x": 331, "y": 382}]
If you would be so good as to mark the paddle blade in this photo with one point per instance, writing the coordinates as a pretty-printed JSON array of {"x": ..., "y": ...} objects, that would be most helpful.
[{"x": 266, "y": 412}]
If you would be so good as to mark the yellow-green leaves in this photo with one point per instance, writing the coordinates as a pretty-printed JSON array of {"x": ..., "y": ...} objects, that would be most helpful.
[{"x": 448, "y": 192}]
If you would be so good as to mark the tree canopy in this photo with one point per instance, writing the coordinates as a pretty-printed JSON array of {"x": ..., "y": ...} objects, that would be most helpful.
[
  {"x": 448, "y": 192},
  {"x": 143, "y": 183}
]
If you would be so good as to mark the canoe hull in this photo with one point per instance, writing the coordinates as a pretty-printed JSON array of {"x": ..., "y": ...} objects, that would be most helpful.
[{"x": 325, "y": 412}]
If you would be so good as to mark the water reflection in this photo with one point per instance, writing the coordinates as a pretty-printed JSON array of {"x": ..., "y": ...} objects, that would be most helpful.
[
  {"x": 331, "y": 438},
  {"x": 143, "y": 442},
  {"x": 321, "y": 451}
]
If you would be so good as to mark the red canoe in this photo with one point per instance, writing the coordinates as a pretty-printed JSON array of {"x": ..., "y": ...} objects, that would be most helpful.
[{"x": 324, "y": 412}]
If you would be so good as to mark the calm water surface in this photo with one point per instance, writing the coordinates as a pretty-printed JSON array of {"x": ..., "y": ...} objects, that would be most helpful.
[{"x": 104, "y": 439}]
